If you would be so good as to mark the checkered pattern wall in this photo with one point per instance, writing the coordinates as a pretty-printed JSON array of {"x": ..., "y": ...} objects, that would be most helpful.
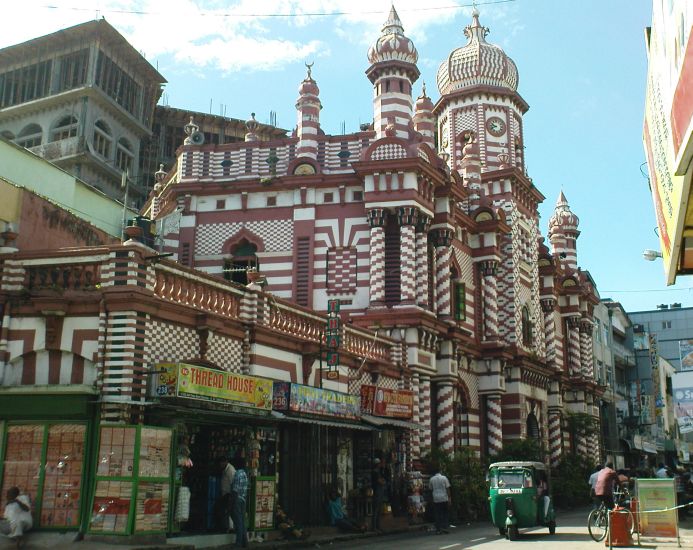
[
  {"x": 341, "y": 270},
  {"x": 168, "y": 342},
  {"x": 389, "y": 151},
  {"x": 277, "y": 235},
  {"x": 225, "y": 352}
]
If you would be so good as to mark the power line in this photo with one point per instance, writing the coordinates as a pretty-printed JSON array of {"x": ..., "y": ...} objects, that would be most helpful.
[{"x": 281, "y": 15}]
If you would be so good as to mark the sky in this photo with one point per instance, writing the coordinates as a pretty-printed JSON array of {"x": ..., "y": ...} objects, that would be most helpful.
[{"x": 582, "y": 68}]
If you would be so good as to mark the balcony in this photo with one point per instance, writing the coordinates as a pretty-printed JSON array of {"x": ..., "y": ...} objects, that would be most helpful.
[
  {"x": 61, "y": 149},
  {"x": 623, "y": 355}
]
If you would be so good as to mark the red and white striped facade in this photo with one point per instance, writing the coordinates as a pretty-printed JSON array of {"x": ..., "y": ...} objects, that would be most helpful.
[{"x": 439, "y": 248}]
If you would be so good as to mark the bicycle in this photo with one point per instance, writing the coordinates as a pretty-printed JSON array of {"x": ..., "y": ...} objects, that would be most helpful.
[{"x": 598, "y": 519}]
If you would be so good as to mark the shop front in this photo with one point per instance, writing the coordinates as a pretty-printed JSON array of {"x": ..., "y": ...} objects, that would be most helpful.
[
  {"x": 324, "y": 446},
  {"x": 391, "y": 411},
  {"x": 163, "y": 477},
  {"x": 45, "y": 452}
]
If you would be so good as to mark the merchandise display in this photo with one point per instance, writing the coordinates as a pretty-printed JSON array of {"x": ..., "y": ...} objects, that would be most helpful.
[
  {"x": 151, "y": 507},
  {"x": 59, "y": 483},
  {"x": 111, "y": 508},
  {"x": 264, "y": 503},
  {"x": 23, "y": 459},
  {"x": 116, "y": 451},
  {"x": 63, "y": 476},
  {"x": 155, "y": 452}
]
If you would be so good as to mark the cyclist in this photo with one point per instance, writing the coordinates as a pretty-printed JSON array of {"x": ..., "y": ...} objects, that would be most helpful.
[{"x": 604, "y": 488}]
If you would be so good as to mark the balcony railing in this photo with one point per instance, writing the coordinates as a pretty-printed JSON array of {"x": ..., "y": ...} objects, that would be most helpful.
[
  {"x": 78, "y": 276},
  {"x": 63, "y": 148}
]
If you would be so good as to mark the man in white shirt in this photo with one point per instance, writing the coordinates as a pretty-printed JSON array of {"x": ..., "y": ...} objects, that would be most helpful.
[
  {"x": 440, "y": 491},
  {"x": 18, "y": 518},
  {"x": 592, "y": 483},
  {"x": 228, "y": 472}
]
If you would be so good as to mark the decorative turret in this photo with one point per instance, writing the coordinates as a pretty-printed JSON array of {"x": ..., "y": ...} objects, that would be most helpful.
[
  {"x": 563, "y": 232},
  {"x": 424, "y": 121},
  {"x": 392, "y": 72},
  {"x": 308, "y": 108}
]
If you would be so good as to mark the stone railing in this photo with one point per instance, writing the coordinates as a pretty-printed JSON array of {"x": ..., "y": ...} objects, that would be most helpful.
[
  {"x": 201, "y": 292},
  {"x": 77, "y": 276},
  {"x": 285, "y": 318},
  {"x": 56, "y": 150}
]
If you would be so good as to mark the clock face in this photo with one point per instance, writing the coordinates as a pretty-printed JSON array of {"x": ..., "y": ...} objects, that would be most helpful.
[{"x": 495, "y": 126}]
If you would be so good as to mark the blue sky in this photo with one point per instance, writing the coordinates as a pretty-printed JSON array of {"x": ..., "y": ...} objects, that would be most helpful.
[{"x": 582, "y": 70}]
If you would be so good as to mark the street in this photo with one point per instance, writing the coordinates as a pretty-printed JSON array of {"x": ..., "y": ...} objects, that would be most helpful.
[{"x": 571, "y": 534}]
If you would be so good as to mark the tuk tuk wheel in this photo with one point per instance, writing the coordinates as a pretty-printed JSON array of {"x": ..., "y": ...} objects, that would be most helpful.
[
  {"x": 513, "y": 533},
  {"x": 501, "y": 531},
  {"x": 552, "y": 527}
]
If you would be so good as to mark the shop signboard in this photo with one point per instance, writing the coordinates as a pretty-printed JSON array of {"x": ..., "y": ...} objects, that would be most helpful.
[
  {"x": 686, "y": 354},
  {"x": 311, "y": 400},
  {"x": 191, "y": 381},
  {"x": 657, "y": 494},
  {"x": 386, "y": 402},
  {"x": 682, "y": 388}
]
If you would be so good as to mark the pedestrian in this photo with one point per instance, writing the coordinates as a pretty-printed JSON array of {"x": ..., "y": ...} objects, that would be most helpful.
[
  {"x": 440, "y": 492},
  {"x": 338, "y": 517},
  {"x": 592, "y": 482},
  {"x": 379, "y": 485},
  {"x": 604, "y": 488},
  {"x": 18, "y": 518},
  {"x": 224, "y": 505},
  {"x": 239, "y": 494}
]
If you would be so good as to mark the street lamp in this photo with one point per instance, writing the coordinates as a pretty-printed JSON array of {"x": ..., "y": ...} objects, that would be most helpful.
[{"x": 651, "y": 255}]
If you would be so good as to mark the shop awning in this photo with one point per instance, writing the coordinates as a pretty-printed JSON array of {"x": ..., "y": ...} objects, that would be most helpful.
[
  {"x": 383, "y": 421},
  {"x": 334, "y": 423}
]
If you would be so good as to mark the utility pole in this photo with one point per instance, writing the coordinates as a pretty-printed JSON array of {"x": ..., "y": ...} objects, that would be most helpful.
[{"x": 124, "y": 184}]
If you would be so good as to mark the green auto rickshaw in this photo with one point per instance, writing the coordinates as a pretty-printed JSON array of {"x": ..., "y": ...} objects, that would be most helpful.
[{"x": 519, "y": 497}]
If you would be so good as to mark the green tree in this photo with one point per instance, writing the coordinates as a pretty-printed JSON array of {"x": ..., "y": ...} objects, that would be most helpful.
[
  {"x": 569, "y": 481},
  {"x": 520, "y": 449}
]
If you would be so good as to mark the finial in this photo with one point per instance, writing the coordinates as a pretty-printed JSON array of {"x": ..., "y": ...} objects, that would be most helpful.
[
  {"x": 309, "y": 66},
  {"x": 423, "y": 91},
  {"x": 475, "y": 30}
]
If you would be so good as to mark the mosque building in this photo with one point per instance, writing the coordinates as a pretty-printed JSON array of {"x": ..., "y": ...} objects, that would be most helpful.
[{"x": 425, "y": 227}]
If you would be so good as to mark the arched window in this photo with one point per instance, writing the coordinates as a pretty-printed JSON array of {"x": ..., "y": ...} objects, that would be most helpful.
[
  {"x": 30, "y": 136},
  {"x": 102, "y": 139},
  {"x": 66, "y": 128},
  {"x": 457, "y": 290},
  {"x": 243, "y": 258},
  {"x": 124, "y": 155},
  {"x": 526, "y": 327},
  {"x": 7, "y": 135}
]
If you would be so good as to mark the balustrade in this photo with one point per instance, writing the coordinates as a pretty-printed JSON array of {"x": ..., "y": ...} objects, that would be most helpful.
[{"x": 206, "y": 295}]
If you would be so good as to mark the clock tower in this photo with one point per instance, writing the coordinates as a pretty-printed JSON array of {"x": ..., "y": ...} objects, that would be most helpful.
[{"x": 478, "y": 87}]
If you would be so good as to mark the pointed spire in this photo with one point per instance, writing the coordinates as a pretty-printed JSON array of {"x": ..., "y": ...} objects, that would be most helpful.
[
  {"x": 393, "y": 25},
  {"x": 562, "y": 201},
  {"x": 475, "y": 31}
]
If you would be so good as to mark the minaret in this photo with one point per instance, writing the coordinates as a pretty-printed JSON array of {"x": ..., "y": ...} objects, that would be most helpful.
[
  {"x": 392, "y": 72},
  {"x": 424, "y": 121},
  {"x": 308, "y": 113},
  {"x": 563, "y": 233}
]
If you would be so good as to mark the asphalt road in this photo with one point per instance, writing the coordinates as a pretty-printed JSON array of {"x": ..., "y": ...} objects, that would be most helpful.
[{"x": 571, "y": 534}]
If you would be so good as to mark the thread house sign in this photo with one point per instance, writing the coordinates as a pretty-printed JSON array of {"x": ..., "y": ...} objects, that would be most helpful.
[
  {"x": 388, "y": 403},
  {"x": 193, "y": 382}
]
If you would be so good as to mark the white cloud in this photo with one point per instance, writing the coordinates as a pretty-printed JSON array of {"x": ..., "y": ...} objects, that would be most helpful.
[{"x": 223, "y": 35}]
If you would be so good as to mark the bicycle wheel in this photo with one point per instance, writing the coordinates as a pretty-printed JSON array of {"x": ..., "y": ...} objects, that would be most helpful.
[{"x": 597, "y": 524}]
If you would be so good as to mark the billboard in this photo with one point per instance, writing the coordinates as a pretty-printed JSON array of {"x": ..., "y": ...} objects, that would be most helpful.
[
  {"x": 686, "y": 354},
  {"x": 682, "y": 388},
  {"x": 667, "y": 126}
]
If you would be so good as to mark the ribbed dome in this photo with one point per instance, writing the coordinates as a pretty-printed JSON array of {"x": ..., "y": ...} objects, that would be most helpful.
[
  {"x": 477, "y": 63},
  {"x": 392, "y": 45}
]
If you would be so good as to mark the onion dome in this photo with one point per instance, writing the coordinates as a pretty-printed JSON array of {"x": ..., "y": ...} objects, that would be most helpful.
[
  {"x": 563, "y": 220},
  {"x": 392, "y": 45},
  {"x": 477, "y": 63}
]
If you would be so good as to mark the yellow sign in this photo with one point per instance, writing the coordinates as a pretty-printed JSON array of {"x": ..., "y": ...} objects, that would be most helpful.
[
  {"x": 182, "y": 380},
  {"x": 655, "y": 495}
]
